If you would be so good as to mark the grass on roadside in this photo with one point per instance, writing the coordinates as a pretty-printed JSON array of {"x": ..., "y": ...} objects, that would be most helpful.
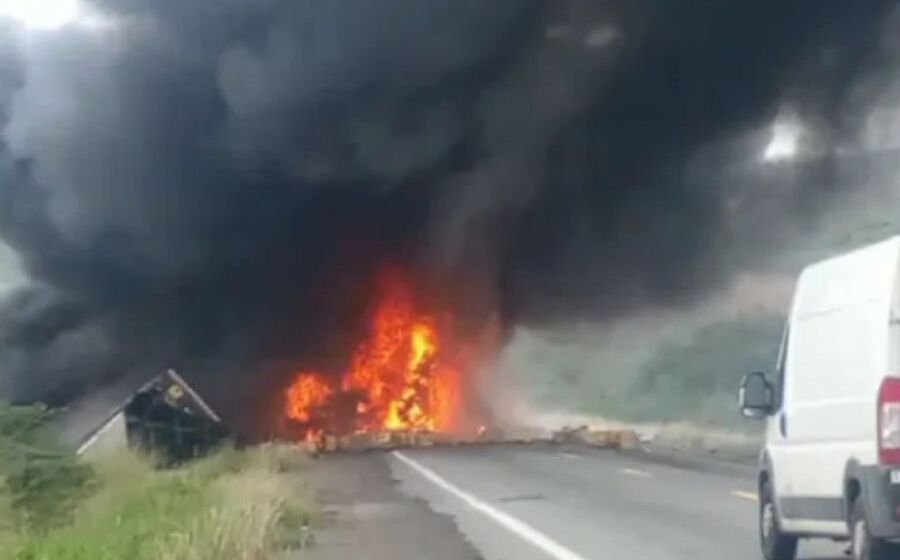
[{"x": 235, "y": 505}]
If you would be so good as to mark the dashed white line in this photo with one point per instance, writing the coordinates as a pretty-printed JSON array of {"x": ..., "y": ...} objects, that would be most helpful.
[
  {"x": 571, "y": 456},
  {"x": 635, "y": 472},
  {"x": 745, "y": 495},
  {"x": 517, "y": 526}
]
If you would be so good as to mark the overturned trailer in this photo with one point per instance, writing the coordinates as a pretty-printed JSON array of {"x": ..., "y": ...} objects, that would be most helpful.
[{"x": 166, "y": 417}]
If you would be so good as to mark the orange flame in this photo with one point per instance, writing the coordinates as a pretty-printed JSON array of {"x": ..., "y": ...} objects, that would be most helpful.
[
  {"x": 396, "y": 368},
  {"x": 397, "y": 372},
  {"x": 307, "y": 392}
]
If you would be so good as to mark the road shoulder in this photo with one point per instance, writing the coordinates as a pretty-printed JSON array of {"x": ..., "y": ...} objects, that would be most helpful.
[{"x": 366, "y": 516}]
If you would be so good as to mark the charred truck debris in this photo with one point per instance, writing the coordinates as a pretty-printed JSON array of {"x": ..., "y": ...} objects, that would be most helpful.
[
  {"x": 219, "y": 186},
  {"x": 166, "y": 417}
]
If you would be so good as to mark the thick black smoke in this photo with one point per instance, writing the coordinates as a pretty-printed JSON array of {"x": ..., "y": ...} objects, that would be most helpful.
[{"x": 210, "y": 184}]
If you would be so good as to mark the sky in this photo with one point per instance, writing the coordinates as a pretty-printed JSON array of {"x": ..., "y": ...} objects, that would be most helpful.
[{"x": 41, "y": 14}]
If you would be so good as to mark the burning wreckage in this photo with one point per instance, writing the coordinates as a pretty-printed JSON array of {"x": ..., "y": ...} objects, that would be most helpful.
[
  {"x": 165, "y": 416},
  {"x": 401, "y": 379},
  {"x": 402, "y": 387},
  {"x": 408, "y": 383}
]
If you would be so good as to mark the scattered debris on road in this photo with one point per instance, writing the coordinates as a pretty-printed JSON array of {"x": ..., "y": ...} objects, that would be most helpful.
[{"x": 390, "y": 440}]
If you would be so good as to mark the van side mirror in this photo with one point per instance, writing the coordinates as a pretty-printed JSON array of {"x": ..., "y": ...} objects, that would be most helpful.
[{"x": 756, "y": 396}]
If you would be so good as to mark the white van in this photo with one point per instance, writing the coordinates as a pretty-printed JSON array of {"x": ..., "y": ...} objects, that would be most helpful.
[{"x": 830, "y": 466}]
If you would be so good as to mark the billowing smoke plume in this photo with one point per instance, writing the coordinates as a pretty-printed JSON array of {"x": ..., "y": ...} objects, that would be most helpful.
[{"x": 211, "y": 184}]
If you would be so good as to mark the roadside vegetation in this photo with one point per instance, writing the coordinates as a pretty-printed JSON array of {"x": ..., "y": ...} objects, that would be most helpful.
[
  {"x": 697, "y": 379},
  {"x": 690, "y": 375},
  {"x": 247, "y": 505}
]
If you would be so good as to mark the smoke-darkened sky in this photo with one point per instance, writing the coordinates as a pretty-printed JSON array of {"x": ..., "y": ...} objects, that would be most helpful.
[{"x": 215, "y": 181}]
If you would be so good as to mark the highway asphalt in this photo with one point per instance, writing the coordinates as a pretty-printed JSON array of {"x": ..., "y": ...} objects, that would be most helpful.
[{"x": 539, "y": 503}]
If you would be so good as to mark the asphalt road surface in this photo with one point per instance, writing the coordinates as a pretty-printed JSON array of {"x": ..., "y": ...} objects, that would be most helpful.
[{"x": 521, "y": 503}]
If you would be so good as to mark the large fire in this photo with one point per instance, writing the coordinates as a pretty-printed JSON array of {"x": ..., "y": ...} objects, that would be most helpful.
[
  {"x": 307, "y": 392},
  {"x": 399, "y": 378}
]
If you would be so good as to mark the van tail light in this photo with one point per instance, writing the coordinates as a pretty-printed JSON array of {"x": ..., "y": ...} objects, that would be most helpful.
[{"x": 889, "y": 421}]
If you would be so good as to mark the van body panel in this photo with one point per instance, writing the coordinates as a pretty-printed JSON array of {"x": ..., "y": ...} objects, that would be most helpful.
[
  {"x": 836, "y": 529},
  {"x": 836, "y": 361},
  {"x": 841, "y": 339}
]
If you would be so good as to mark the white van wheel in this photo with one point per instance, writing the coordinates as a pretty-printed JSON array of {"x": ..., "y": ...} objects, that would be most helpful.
[
  {"x": 864, "y": 546},
  {"x": 775, "y": 544}
]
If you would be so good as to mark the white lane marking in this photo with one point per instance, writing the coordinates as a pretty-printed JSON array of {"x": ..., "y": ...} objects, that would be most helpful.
[
  {"x": 745, "y": 495},
  {"x": 571, "y": 456},
  {"x": 635, "y": 472},
  {"x": 520, "y": 528}
]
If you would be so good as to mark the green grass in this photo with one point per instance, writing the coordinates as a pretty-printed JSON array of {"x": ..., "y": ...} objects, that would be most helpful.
[
  {"x": 690, "y": 375},
  {"x": 123, "y": 523},
  {"x": 42, "y": 483},
  {"x": 234, "y": 505}
]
